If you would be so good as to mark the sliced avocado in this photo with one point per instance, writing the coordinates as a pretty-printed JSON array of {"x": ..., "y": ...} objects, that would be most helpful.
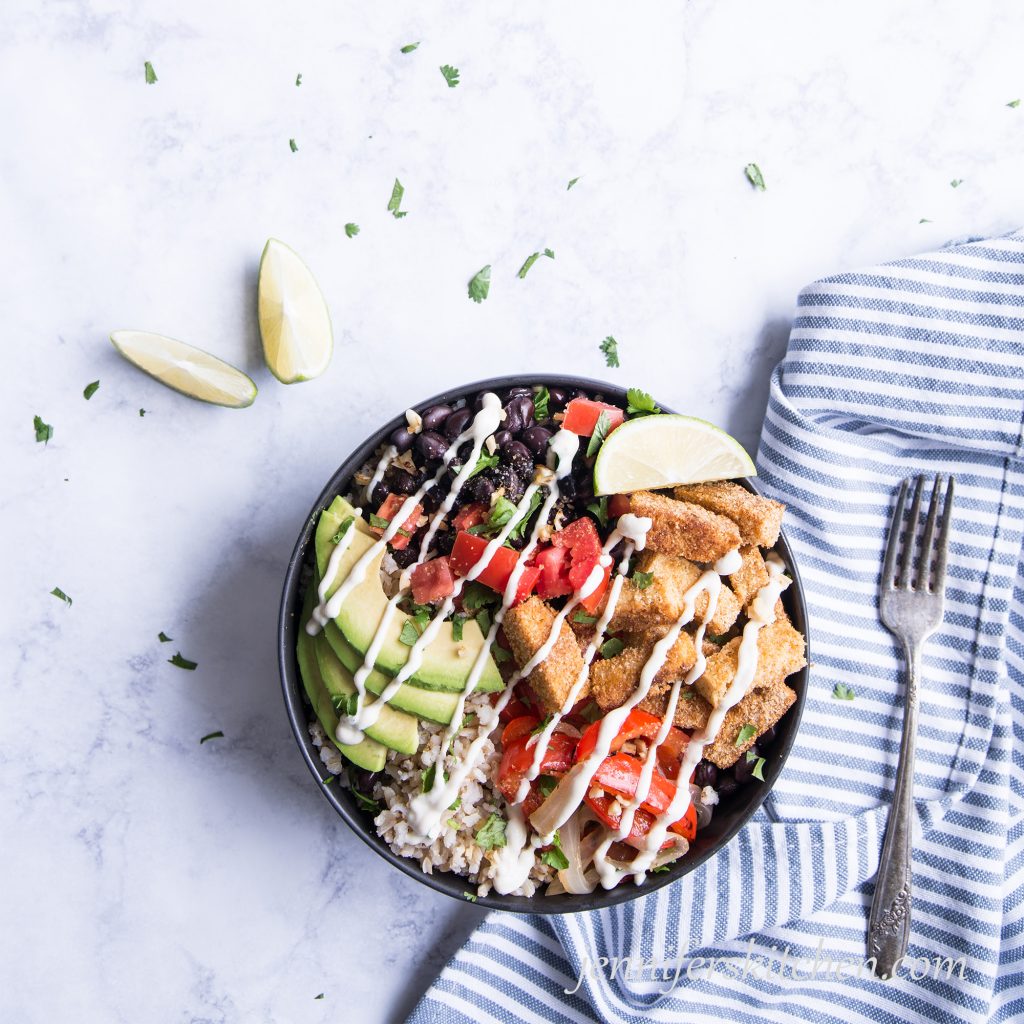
[
  {"x": 395, "y": 729},
  {"x": 434, "y": 705},
  {"x": 446, "y": 663},
  {"x": 367, "y": 754}
]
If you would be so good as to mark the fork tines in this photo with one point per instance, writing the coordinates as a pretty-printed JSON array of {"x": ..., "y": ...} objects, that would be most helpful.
[{"x": 917, "y": 550}]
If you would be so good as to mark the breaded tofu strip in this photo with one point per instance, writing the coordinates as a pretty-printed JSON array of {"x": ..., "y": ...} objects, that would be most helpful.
[
  {"x": 613, "y": 680},
  {"x": 528, "y": 626},
  {"x": 750, "y": 577},
  {"x": 727, "y": 609},
  {"x": 780, "y": 652},
  {"x": 682, "y": 528},
  {"x": 761, "y": 708},
  {"x": 692, "y": 710},
  {"x": 759, "y": 519}
]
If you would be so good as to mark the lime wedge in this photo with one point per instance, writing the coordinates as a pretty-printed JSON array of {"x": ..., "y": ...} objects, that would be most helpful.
[
  {"x": 184, "y": 368},
  {"x": 663, "y": 451},
  {"x": 294, "y": 322}
]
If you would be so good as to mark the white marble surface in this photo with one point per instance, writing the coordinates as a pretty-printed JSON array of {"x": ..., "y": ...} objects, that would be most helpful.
[{"x": 143, "y": 876}]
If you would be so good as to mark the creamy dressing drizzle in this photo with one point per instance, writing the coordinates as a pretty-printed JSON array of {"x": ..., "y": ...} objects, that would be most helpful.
[{"x": 378, "y": 474}]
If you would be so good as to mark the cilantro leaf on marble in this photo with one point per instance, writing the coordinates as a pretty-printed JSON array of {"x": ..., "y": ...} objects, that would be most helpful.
[
  {"x": 480, "y": 284},
  {"x": 755, "y": 177},
  {"x": 179, "y": 661},
  {"x": 151, "y": 78},
  {"x": 90, "y": 390},
  {"x": 610, "y": 349}
]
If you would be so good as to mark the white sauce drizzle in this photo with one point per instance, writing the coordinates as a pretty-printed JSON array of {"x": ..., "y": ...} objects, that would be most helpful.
[{"x": 378, "y": 474}]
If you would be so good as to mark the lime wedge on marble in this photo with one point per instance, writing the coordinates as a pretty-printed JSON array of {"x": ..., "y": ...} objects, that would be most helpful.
[
  {"x": 185, "y": 368},
  {"x": 666, "y": 450},
  {"x": 294, "y": 322}
]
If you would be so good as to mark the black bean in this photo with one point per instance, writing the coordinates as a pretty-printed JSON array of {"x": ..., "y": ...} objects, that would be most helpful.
[
  {"x": 568, "y": 487},
  {"x": 379, "y": 494},
  {"x": 431, "y": 445},
  {"x": 431, "y": 501},
  {"x": 481, "y": 488},
  {"x": 745, "y": 765},
  {"x": 726, "y": 784},
  {"x": 514, "y": 392},
  {"x": 503, "y": 438},
  {"x": 364, "y": 781},
  {"x": 505, "y": 476},
  {"x": 536, "y": 439},
  {"x": 444, "y": 542},
  {"x": 402, "y": 440},
  {"x": 518, "y": 456},
  {"x": 478, "y": 401},
  {"x": 406, "y": 556},
  {"x": 457, "y": 423},
  {"x": 557, "y": 397},
  {"x": 767, "y": 736},
  {"x": 519, "y": 413},
  {"x": 399, "y": 480},
  {"x": 705, "y": 775},
  {"x": 435, "y": 416}
]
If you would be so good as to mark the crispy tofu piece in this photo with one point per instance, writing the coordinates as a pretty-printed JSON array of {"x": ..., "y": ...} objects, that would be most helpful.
[
  {"x": 683, "y": 528},
  {"x": 759, "y": 519},
  {"x": 780, "y": 652},
  {"x": 727, "y": 609},
  {"x": 761, "y": 708},
  {"x": 613, "y": 680},
  {"x": 692, "y": 710},
  {"x": 751, "y": 575},
  {"x": 528, "y": 627}
]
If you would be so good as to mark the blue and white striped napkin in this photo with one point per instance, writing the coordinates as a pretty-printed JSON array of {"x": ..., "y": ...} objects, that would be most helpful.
[{"x": 914, "y": 366}]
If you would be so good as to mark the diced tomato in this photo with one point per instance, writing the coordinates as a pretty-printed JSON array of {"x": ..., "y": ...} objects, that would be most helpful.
[
  {"x": 518, "y": 756},
  {"x": 432, "y": 581},
  {"x": 671, "y": 751},
  {"x": 468, "y": 550},
  {"x": 554, "y": 572},
  {"x": 470, "y": 515},
  {"x": 580, "y": 572},
  {"x": 637, "y": 724},
  {"x": 515, "y": 708},
  {"x": 642, "y": 820},
  {"x": 618, "y": 505},
  {"x": 580, "y": 537},
  {"x": 593, "y": 600},
  {"x": 686, "y": 826},
  {"x": 392, "y": 506},
  {"x": 533, "y": 799},
  {"x": 620, "y": 774},
  {"x": 521, "y": 726},
  {"x": 582, "y": 414}
]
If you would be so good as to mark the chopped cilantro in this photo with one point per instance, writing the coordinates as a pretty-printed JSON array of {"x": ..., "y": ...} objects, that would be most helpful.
[
  {"x": 530, "y": 260},
  {"x": 57, "y": 592},
  {"x": 475, "y": 596},
  {"x": 467, "y": 718},
  {"x": 179, "y": 661},
  {"x": 610, "y": 348},
  {"x": 456, "y": 803},
  {"x": 555, "y": 857},
  {"x": 540, "y": 404},
  {"x": 500, "y": 655},
  {"x": 427, "y": 778},
  {"x": 150, "y": 74},
  {"x": 572, "y": 181},
  {"x": 43, "y": 430},
  {"x": 599, "y": 509},
  {"x": 924, "y": 220},
  {"x": 471, "y": 896},
  {"x": 345, "y": 703},
  {"x": 292, "y": 146},
  {"x": 639, "y": 403},
  {"x": 142, "y": 412},
  {"x": 583, "y": 618},
  {"x": 484, "y": 462},
  {"x": 1013, "y": 103},
  {"x": 483, "y": 620},
  {"x": 660, "y": 869},
  {"x": 351, "y": 230},
  {"x": 90, "y": 390},
  {"x": 502, "y": 512},
  {"x": 755, "y": 177},
  {"x": 365, "y": 802},
  {"x": 328, "y": 780},
  {"x": 451, "y": 75},
  {"x": 541, "y": 725},
  {"x": 612, "y": 647},
  {"x": 408, "y": 48},
  {"x": 601, "y": 429},
  {"x": 321, "y": 994},
  {"x": 956, "y": 182},
  {"x": 758, "y": 769},
  {"x": 842, "y": 692},
  {"x": 212, "y": 736},
  {"x": 163, "y": 637},
  {"x": 748, "y": 732},
  {"x": 480, "y": 284},
  {"x": 413, "y": 627},
  {"x": 518, "y": 532},
  {"x": 546, "y": 784},
  {"x": 346, "y": 525},
  {"x": 397, "y": 192},
  {"x": 379, "y": 524},
  {"x": 298, "y": 78},
  {"x": 458, "y": 621},
  {"x": 491, "y": 834},
  {"x": 642, "y": 580}
]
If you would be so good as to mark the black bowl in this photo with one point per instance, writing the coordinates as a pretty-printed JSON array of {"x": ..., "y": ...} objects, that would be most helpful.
[{"x": 730, "y": 815}]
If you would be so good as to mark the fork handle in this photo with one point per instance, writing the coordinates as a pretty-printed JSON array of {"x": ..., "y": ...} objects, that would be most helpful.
[{"x": 889, "y": 921}]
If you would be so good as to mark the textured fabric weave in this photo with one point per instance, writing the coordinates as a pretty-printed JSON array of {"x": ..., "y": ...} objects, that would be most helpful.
[{"x": 914, "y": 366}]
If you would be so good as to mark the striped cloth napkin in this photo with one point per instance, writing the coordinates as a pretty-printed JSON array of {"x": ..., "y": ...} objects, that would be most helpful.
[{"x": 913, "y": 366}]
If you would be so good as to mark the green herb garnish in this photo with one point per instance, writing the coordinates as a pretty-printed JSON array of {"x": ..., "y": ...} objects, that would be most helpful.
[
  {"x": 57, "y": 592},
  {"x": 485, "y": 461},
  {"x": 180, "y": 661},
  {"x": 572, "y": 181},
  {"x": 329, "y": 780},
  {"x": 150, "y": 73},
  {"x": 142, "y": 412},
  {"x": 758, "y": 770},
  {"x": 502, "y": 512},
  {"x": 345, "y": 703},
  {"x": 924, "y": 220},
  {"x": 755, "y": 177},
  {"x": 541, "y": 397},
  {"x": 843, "y": 692},
  {"x": 610, "y": 648},
  {"x": 529, "y": 262},
  {"x": 351, "y": 230},
  {"x": 456, "y": 803},
  {"x": 471, "y": 896},
  {"x": 427, "y": 778},
  {"x": 346, "y": 525},
  {"x": 601, "y": 429},
  {"x": 321, "y": 994},
  {"x": 90, "y": 390},
  {"x": 541, "y": 725},
  {"x": 546, "y": 784},
  {"x": 397, "y": 192},
  {"x": 43, "y": 430},
  {"x": 365, "y": 802},
  {"x": 163, "y": 637},
  {"x": 467, "y": 718},
  {"x": 378, "y": 523},
  {"x": 639, "y": 403},
  {"x": 483, "y": 620},
  {"x": 212, "y": 736},
  {"x": 451, "y": 75},
  {"x": 298, "y": 78},
  {"x": 956, "y": 182},
  {"x": 500, "y": 655},
  {"x": 599, "y": 509},
  {"x": 475, "y": 596},
  {"x": 583, "y": 618},
  {"x": 1013, "y": 103},
  {"x": 458, "y": 621},
  {"x": 480, "y": 284},
  {"x": 292, "y": 146},
  {"x": 642, "y": 580},
  {"x": 555, "y": 857},
  {"x": 518, "y": 532},
  {"x": 491, "y": 835},
  {"x": 660, "y": 869},
  {"x": 748, "y": 732},
  {"x": 413, "y": 628},
  {"x": 610, "y": 349},
  {"x": 408, "y": 48}
]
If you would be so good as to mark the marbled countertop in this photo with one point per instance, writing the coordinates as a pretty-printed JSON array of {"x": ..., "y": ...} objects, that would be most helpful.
[{"x": 146, "y": 877}]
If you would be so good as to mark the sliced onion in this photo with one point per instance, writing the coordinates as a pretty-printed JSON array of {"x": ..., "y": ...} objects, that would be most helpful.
[
  {"x": 703, "y": 810},
  {"x": 555, "y": 887},
  {"x": 568, "y": 728},
  {"x": 673, "y": 853},
  {"x": 573, "y": 878}
]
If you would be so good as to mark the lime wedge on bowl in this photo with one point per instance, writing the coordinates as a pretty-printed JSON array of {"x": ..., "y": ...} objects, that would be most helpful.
[
  {"x": 294, "y": 323},
  {"x": 664, "y": 451},
  {"x": 185, "y": 368}
]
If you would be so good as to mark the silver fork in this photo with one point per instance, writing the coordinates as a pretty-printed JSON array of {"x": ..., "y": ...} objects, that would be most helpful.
[{"x": 910, "y": 605}]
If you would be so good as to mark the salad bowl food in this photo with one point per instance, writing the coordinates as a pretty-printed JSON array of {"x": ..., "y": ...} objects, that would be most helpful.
[{"x": 526, "y": 694}]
